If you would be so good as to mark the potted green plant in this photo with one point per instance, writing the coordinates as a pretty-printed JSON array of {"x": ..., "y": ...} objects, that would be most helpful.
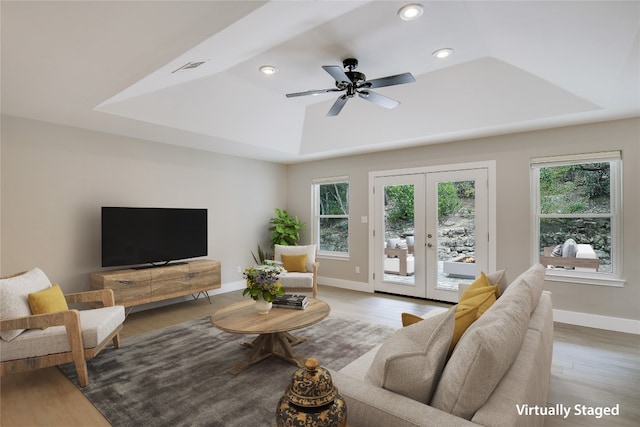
[{"x": 285, "y": 229}]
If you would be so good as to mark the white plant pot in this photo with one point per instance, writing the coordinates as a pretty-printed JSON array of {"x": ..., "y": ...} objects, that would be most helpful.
[{"x": 262, "y": 306}]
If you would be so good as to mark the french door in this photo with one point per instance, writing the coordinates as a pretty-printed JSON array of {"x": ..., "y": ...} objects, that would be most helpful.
[{"x": 430, "y": 231}]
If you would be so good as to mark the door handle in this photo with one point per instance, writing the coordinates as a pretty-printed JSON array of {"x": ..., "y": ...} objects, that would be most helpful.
[{"x": 429, "y": 245}]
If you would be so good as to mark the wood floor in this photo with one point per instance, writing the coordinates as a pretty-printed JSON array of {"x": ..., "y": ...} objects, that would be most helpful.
[{"x": 590, "y": 366}]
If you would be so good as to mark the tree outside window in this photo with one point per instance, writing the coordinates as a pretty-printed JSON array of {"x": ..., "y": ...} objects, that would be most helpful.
[
  {"x": 332, "y": 217},
  {"x": 578, "y": 200}
]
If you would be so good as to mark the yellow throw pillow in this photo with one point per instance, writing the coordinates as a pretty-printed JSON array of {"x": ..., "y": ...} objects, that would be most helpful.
[
  {"x": 410, "y": 319},
  {"x": 50, "y": 300},
  {"x": 472, "y": 293},
  {"x": 482, "y": 301},
  {"x": 294, "y": 263},
  {"x": 480, "y": 285},
  {"x": 475, "y": 303},
  {"x": 465, "y": 316}
]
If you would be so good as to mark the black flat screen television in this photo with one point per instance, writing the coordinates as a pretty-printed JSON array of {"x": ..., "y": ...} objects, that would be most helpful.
[{"x": 132, "y": 236}]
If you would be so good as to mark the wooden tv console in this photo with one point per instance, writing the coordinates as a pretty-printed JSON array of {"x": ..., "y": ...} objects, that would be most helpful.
[{"x": 141, "y": 286}]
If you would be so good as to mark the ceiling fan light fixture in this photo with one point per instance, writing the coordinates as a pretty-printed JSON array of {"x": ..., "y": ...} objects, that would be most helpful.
[
  {"x": 411, "y": 11},
  {"x": 443, "y": 53},
  {"x": 268, "y": 70}
]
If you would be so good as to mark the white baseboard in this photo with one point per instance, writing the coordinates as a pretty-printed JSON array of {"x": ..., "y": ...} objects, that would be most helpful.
[
  {"x": 345, "y": 284},
  {"x": 229, "y": 287},
  {"x": 597, "y": 321}
]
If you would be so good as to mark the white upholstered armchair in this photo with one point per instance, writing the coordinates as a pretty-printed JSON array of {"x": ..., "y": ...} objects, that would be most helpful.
[
  {"x": 32, "y": 341},
  {"x": 302, "y": 268}
]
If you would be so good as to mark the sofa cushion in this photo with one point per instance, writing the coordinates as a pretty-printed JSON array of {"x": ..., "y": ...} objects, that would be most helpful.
[
  {"x": 487, "y": 349},
  {"x": 569, "y": 248},
  {"x": 411, "y": 361},
  {"x": 533, "y": 281},
  {"x": 50, "y": 300},
  {"x": 294, "y": 263},
  {"x": 527, "y": 380},
  {"x": 309, "y": 250},
  {"x": 297, "y": 280},
  {"x": 96, "y": 324},
  {"x": 14, "y": 301}
]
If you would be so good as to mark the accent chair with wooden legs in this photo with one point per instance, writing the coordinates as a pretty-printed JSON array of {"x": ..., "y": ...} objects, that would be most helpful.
[
  {"x": 32, "y": 341},
  {"x": 301, "y": 265}
]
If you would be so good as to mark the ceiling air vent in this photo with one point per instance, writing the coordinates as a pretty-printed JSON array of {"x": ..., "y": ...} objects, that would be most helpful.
[{"x": 189, "y": 66}]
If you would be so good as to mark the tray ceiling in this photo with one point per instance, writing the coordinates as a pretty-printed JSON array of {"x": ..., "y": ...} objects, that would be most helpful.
[{"x": 517, "y": 66}]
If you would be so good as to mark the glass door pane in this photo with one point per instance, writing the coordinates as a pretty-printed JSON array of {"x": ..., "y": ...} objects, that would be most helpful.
[
  {"x": 399, "y": 234},
  {"x": 399, "y": 229},
  {"x": 456, "y": 218},
  {"x": 456, "y": 234}
]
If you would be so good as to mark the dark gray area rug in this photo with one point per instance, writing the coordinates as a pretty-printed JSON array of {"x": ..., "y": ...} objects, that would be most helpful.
[{"x": 178, "y": 376}]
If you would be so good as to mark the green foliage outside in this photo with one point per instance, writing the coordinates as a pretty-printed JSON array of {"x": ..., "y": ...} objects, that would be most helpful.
[
  {"x": 575, "y": 189},
  {"x": 334, "y": 198},
  {"x": 571, "y": 195},
  {"x": 334, "y": 231},
  {"x": 448, "y": 200},
  {"x": 400, "y": 208},
  {"x": 400, "y": 200}
]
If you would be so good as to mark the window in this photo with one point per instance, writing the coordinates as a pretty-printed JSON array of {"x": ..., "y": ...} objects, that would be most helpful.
[
  {"x": 331, "y": 216},
  {"x": 577, "y": 216}
]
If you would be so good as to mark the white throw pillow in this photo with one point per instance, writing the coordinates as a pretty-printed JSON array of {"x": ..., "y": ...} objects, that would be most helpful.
[
  {"x": 14, "y": 297},
  {"x": 411, "y": 361}
]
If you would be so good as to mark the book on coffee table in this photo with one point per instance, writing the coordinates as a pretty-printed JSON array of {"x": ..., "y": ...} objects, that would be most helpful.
[{"x": 298, "y": 302}]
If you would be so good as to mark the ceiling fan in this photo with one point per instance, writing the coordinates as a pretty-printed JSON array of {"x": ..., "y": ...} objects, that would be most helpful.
[{"x": 354, "y": 82}]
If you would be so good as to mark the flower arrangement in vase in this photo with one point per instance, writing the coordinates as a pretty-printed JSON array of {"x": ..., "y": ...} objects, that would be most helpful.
[{"x": 263, "y": 282}]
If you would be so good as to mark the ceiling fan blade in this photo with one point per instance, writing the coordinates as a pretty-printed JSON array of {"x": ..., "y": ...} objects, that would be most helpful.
[
  {"x": 337, "y": 73},
  {"x": 337, "y": 106},
  {"x": 398, "y": 79},
  {"x": 313, "y": 92},
  {"x": 378, "y": 99}
]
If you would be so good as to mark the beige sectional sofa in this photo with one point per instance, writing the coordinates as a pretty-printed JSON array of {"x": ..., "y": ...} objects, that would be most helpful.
[{"x": 501, "y": 363}]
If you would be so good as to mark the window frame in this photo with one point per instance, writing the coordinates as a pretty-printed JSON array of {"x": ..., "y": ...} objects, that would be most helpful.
[
  {"x": 316, "y": 217},
  {"x": 614, "y": 158}
]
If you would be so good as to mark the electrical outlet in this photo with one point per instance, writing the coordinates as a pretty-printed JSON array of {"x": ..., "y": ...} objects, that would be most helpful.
[
  {"x": 239, "y": 269},
  {"x": 357, "y": 270}
]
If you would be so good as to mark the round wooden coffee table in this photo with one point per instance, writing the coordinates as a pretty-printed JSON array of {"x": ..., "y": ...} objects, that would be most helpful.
[{"x": 273, "y": 328}]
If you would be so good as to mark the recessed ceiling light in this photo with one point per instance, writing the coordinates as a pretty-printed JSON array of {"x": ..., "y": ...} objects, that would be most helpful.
[
  {"x": 443, "y": 53},
  {"x": 268, "y": 69},
  {"x": 410, "y": 12}
]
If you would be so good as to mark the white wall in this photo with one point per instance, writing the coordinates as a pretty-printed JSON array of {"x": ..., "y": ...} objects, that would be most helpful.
[
  {"x": 512, "y": 154},
  {"x": 55, "y": 179}
]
